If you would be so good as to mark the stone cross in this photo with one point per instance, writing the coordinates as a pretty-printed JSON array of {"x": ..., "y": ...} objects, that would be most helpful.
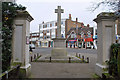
[{"x": 59, "y": 11}]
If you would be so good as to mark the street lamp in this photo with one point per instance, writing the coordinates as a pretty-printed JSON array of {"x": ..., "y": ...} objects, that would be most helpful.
[
  {"x": 117, "y": 14},
  {"x": 77, "y": 31}
]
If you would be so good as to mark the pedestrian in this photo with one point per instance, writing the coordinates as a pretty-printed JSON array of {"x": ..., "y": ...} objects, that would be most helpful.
[{"x": 31, "y": 49}]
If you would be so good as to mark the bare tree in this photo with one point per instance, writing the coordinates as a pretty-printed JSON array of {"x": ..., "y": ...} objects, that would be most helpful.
[{"x": 112, "y": 4}]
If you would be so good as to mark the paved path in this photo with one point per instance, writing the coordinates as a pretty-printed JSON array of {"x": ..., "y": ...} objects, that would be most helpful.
[
  {"x": 65, "y": 70},
  {"x": 61, "y": 70}
]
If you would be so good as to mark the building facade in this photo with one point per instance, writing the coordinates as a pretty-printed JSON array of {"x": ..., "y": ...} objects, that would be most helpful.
[
  {"x": 74, "y": 32},
  {"x": 95, "y": 36},
  {"x": 117, "y": 30},
  {"x": 48, "y": 31},
  {"x": 34, "y": 37},
  {"x": 81, "y": 37}
]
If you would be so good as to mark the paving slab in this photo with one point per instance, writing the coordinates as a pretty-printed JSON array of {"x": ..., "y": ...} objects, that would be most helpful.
[
  {"x": 61, "y": 70},
  {"x": 65, "y": 70}
]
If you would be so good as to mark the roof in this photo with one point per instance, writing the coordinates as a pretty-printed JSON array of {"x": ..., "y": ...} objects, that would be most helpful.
[{"x": 80, "y": 29}]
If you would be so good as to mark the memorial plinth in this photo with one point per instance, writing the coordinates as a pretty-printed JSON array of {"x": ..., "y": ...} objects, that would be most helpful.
[
  {"x": 59, "y": 49},
  {"x": 59, "y": 42}
]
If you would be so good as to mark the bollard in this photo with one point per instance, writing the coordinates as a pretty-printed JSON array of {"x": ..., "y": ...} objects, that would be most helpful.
[
  {"x": 69, "y": 59},
  {"x": 79, "y": 56},
  {"x": 37, "y": 55},
  {"x": 31, "y": 58},
  {"x": 103, "y": 76},
  {"x": 40, "y": 55},
  {"x": 76, "y": 55},
  {"x": 34, "y": 56},
  {"x": 82, "y": 58},
  {"x": 87, "y": 59},
  {"x": 50, "y": 59}
]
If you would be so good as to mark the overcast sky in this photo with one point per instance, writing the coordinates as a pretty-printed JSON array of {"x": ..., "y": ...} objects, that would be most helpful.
[{"x": 44, "y": 10}]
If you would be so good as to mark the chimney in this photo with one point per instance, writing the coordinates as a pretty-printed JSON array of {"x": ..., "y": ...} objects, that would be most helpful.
[
  {"x": 43, "y": 22},
  {"x": 70, "y": 16},
  {"x": 88, "y": 25},
  {"x": 76, "y": 20},
  {"x": 82, "y": 25}
]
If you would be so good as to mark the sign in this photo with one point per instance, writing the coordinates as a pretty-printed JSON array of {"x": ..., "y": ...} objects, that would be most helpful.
[
  {"x": 72, "y": 40},
  {"x": 62, "y": 36},
  {"x": 95, "y": 37},
  {"x": 27, "y": 40},
  {"x": 88, "y": 39},
  {"x": 117, "y": 37}
]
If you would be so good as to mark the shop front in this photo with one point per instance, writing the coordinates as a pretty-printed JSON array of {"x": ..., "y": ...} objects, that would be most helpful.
[
  {"x": 89, "y": 43},
  {"x": 46, "y": 43},
  {"x": 72, "y": 43}
]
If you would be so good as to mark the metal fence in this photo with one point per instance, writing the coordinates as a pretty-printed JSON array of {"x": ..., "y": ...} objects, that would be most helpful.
[{"x": 11, "y": 74}]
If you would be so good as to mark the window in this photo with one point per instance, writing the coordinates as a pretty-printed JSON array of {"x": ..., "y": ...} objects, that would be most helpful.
[
  {"x": 61, "y": 22},
  {"x": 88, "y": 44},
  {"x": 48, "y": 36},
  {"x": 37, "y": 34},
  {"x": 50, "y": 25},
  {"x": 44, "y": 26},
  {"x": 62, "y": 28},
  {"x": 45, "y": 44},
  {"x": 33, "y": 34},
  {"x": 41, "y": 37},
  {"x": 53, "y": 30},
  {"x": 73, "y": 35},
  {"x": 64, "y": 23},
  {"x": 56, "y": 24},
  {"x": 44, "y": 37},
  {"x": 53, "y": 24},
  {"x": 48, "y": 31},
  {"x": 41, "y": 26},
  {"x": 82, "y": 34},
  {"x": 62, "y": 36},
  {"x": 45, "y": 31},
  {"x": 53, "y": 36},
  {"x": 96, "y": 31},
  {"x": 89, "y": 34}
]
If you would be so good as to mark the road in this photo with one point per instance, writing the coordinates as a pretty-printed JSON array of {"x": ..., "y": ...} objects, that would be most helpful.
[{"x": 45, "y": 51}]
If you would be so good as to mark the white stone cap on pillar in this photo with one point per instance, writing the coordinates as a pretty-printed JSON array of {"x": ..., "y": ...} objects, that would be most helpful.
[
  {"x": 102, "y": 66},
  {"x": 8, "y": 0},
  {"x": 25, "y": 67},
  {"x": 24, "y": 14},
  {"x": 105, "y": 16}
]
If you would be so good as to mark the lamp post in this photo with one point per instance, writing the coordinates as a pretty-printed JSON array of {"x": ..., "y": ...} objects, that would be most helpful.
[
  {"x": 117, "y": 14},
  {"x": 77, "y": 31}
]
